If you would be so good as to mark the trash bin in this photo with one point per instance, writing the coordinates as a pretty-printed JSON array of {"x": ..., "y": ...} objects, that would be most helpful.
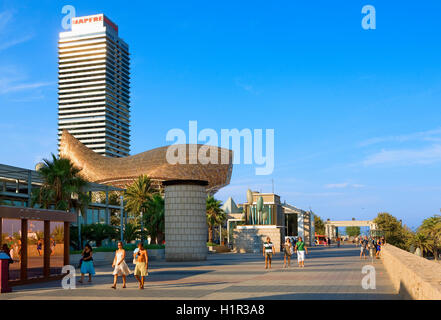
[{"x": 4, "y": 272}]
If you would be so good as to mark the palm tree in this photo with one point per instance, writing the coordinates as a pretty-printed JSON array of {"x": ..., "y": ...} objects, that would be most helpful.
[
  {"x": 16, "y": 236},
  {"x": 420, "y": 240},
  {"x": 58, "y": 234},
  {"x": 39, "y": 235},
  {"x": 131, "y": 232},
  {"x": 155, "y": 218},
  {"x": 4, "y": 236},
  {"x": 137, "y": 194},
  {"x": 99, "y": 232},
  {"x": 215, "y": 215},
  {"x": 43, "y": 196},
  {"x": 431, "y": 228},
  {"x": 61, "y": 184}
]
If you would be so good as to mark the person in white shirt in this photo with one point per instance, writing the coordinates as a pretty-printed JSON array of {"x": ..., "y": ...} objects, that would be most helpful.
[{"x": 268, "y": 251}]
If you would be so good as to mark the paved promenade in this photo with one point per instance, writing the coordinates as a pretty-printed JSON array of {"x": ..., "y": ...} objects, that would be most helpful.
[{"x": 329, "y": 273}]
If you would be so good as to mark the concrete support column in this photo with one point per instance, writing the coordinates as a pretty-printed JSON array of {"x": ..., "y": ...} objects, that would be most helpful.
[
  {"x": 185, "y": 220},
  {"x": 107, "y": 206},
  {"x": 24, "y": 250},
  {"x": 29, "y": 187},
  {"x": 306, "y": 229},
  {"x": 300, "y": 225},
  {"x": 220, "y": 234},
  {"x": 312, "y": 228},
  {"x": 66, "y": 253},
  {"x": 228, "y": 232},
  {"x": 47, "y": 248},
  {"x": 80, "y": 245}
]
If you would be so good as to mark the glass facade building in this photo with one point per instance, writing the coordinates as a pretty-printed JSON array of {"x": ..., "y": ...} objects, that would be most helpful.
[
  {"x": 94, "y": 86},
  {"x": 16, "y": 185},
  {"x": 38, "y": 239}
]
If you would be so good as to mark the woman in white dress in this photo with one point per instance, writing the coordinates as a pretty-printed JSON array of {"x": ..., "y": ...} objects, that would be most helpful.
[{"x": 120, "y": 265}]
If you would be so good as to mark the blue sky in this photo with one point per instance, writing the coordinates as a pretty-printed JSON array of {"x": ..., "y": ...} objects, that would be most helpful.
[{"x": 355, "y": 112}]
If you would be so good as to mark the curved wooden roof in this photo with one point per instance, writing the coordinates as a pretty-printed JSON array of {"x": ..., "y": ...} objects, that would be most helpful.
[{"x": 121, "y": 171}]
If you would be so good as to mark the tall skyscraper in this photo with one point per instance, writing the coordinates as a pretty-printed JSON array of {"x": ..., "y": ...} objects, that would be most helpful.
[{"x": 94, "y": 85}]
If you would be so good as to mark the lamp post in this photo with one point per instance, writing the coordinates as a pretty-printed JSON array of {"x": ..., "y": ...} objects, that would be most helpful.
[
  {"x": 79, "y": 228},
  {"x": 250, "y": 202},
  {"x": 122, "y": 217},
  {"x": 142, "y": 228},
  {"x": 259, "y": 209}
]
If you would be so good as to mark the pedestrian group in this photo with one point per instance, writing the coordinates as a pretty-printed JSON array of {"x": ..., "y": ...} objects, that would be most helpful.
[
  {"x": 119, "y": 265},
  {"x": 288, "y": 250},
  {"x": 370, "y": 245}
]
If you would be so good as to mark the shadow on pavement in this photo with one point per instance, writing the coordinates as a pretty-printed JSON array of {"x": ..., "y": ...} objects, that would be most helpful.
[{"x": 328, "y": 296}]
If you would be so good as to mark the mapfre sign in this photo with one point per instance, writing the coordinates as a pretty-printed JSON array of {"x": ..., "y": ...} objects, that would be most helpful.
[
  {"x": 99, "y": 18},
  {"x": 88, "y": 19}
]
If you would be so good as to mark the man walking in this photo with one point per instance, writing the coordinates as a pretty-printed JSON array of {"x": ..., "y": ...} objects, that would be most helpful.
[
  {"x": 372, "y": 247},
  {"x": 142, "y": 260},
  {"x": 300, "y": 249},
  {"x": 363, "y": 247},
  {"x": 268, "y": 251}
]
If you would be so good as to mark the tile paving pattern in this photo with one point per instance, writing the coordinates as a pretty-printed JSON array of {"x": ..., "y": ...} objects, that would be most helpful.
[{"x": 330, "y": 273}]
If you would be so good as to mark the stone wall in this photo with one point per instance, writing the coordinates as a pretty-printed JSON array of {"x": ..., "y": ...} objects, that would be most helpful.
[
  {"x": 413, "y": 277},
  {"x": 250, "y": 239},
  {"x": 185, "y": 223}
]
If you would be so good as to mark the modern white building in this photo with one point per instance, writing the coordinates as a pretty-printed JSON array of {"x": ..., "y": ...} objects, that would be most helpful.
[{"x": 94, "y": 85}]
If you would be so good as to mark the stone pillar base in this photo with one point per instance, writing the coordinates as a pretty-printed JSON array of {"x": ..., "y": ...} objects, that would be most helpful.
[
  {"x": 185, "y": 220},
  {"x": 250, "y": 239},
  {"x": 181, "y": 257}
]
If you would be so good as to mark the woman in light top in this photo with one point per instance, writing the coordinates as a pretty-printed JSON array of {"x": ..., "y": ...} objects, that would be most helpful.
[
  {"x": 120, "y": 265},
  {"x": 52, "y": 247},
  {"x": 287, "y": 250}
]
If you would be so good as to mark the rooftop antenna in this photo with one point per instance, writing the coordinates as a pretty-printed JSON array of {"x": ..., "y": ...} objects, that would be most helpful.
[{"x": 272, "y": 180}]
